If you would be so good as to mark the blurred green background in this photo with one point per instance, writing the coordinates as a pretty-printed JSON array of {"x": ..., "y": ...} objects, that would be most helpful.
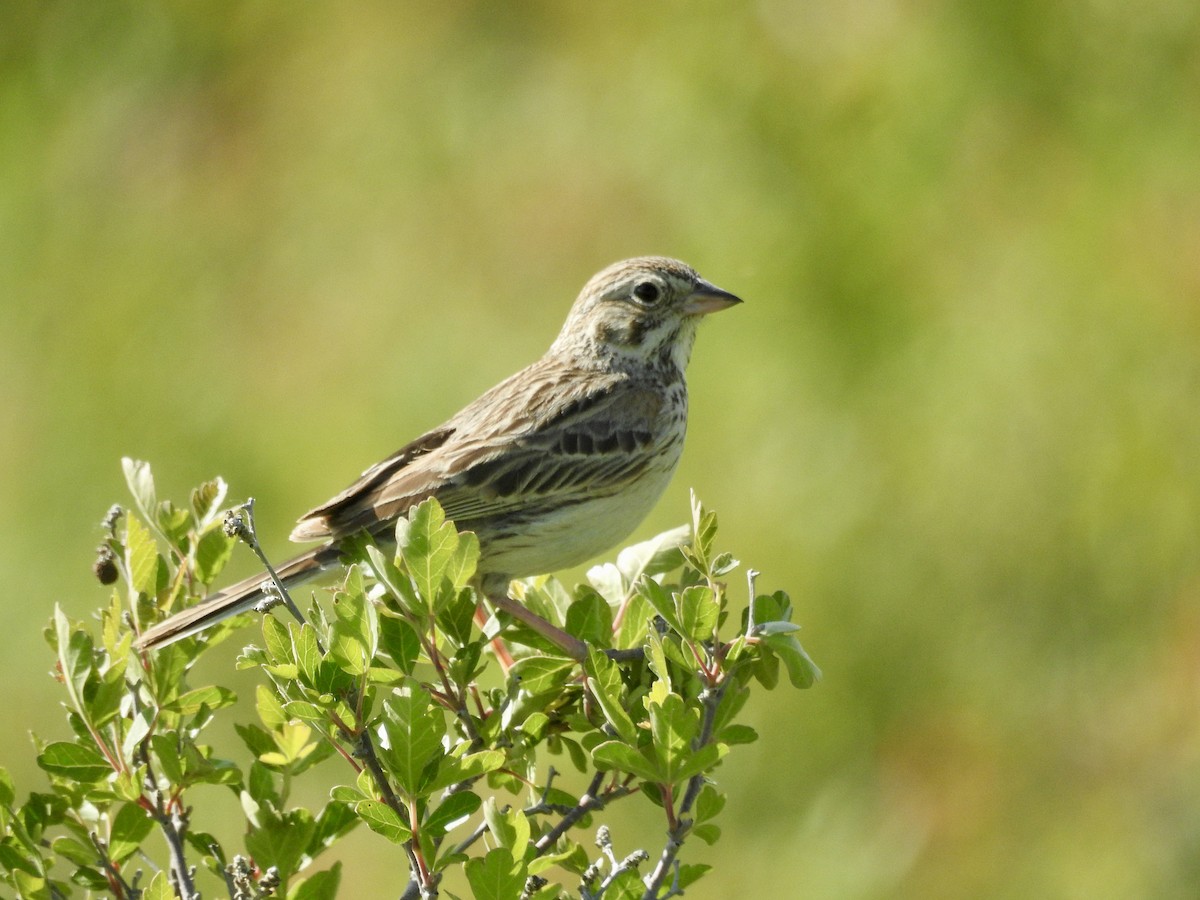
[{"x": 956, "y": 417}]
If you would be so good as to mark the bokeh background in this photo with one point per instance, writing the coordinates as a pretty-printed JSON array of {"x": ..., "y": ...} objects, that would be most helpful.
[{"x": 956, "y": 417}]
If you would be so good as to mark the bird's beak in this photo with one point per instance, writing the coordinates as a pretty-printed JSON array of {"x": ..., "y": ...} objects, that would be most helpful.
[{"x": 708, "y": 298}]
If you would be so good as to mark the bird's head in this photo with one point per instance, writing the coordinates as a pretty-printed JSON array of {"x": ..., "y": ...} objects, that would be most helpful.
[{"x": 639, "y": 312}]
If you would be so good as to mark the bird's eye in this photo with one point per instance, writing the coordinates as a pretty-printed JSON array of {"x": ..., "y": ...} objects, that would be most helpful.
[{"x": 647, "y": 291}]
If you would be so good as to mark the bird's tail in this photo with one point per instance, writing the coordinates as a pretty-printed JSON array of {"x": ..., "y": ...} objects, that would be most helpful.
[{"x": 238, "y": 598}]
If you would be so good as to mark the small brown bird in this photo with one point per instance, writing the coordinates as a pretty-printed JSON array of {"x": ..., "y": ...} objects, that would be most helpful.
[{"x": 550, "y": 467}]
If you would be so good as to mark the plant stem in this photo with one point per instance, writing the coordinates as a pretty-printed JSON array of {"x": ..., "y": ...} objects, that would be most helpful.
[{"x": 679, "y": 831}]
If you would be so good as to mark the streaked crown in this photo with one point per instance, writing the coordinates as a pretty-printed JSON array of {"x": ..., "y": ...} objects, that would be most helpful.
[{"x": 639, "y": 312}]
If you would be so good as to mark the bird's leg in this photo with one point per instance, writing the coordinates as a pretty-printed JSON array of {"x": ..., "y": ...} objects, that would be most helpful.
[{"x": 496, "y": 592}]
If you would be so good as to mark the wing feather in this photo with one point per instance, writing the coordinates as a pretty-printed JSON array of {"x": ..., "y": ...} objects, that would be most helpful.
[{"x": 547, "y": 434}]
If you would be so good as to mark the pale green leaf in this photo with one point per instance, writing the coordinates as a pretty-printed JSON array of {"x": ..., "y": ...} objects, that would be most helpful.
[
  {"x": 497, "y": 876},
  {"x": 653, "y": 557},
  {"x": 319, "y": 886},
  {"x": 141, "y": 557},
  {"x": 698, "y": 611},
  {"x": 382, "y": 819},
  {"x": 130, "y": 827},
  {"x": 616, "y": 755},
  {"x": 542, "y": 674},
  {"x": 604, "y": 681},
  {"x": 141, "y": 485},
  {"x": 414, "y": 729},
  {"x": 802, "y": 671},
  {"x": 452, "y": 811},
  {"x": 590, "y": 618},
  {"x": 429, "y": 545}
]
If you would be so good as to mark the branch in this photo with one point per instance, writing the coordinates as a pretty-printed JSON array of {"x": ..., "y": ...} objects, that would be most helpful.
[
  {"x": 173, "y": 825},
  {"x": 677, "y": 835}
]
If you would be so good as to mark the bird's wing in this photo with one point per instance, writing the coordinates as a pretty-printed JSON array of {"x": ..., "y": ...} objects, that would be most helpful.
[
  {"x": 548, "y": 431},
  {"x": 318, "y": 523}
]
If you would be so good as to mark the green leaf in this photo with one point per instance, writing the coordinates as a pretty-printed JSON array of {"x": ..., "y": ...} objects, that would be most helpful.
[
  {"x": 212, "y": 553},
  {"x": 282, "y": 841},
  {"x": 75, "y": 656},
  {"x": 662, "y": 553},
  {"x": 738, "y": 734},
  {"x": 212, "y": 696},
  {"x": 635, "y": 624},
  {"x": 207, "y": 500},
  {"x": 608, "y": 581},
  {"x": 769, "y": 628},
  {"x": 690, "y": 874},
  {"x": 398, "y": 584},
  {"x": 70, "y": 849},
  {"x": 452, "y": 769},
  {"x": 141, "y": 486},
  {"x": 767, "y": 669},
  {"x": 708, "y": 833},
  {"x": 130, "y": 827},
  {"x": 460, "y": 568},
  {"x": 604, "y": 681},
  {"x": 616, "y": 755},
  {"x": 89, "y": 878},
  {"x": 497, "y": 876},
  {"x": 21, "y": 853},
  {"x": 260, "y": 785},
  {"x": 174, "y": 523},
  {"x": 319, "y": 886},
  {"x": 414, "y": 729},
  {"x": 292, "y": 744},
  {"x": 709, "y": 802},
  {"x": 456, "y": 614},
  {"x": 704, "y": 530},
  {"x": 308, "y": 656},
  {"x": 590, "y": 618},
  {"x": 429, "y": 544},
  {"x": 451, "y": 811},
  {"x": 723, "y": 565},
  {"x": 398, "y": 639},
  {"x": 166, "y": 757},
  {"x": 673, "y": 727},
  {"x": 270, "y": 710},
  {"x": 159, "y": 888},
  {"x": 656, "y": 657},
  {"x": 509, "y": 827},
  {"x": 335, "y": 820},
  {"x": 698, "y": 611},
  {"x": 355, "y": 615},
  {"x": 305, "y": 711},
  {"x": 542, "y": 674},
  {"x": 75, "y": 761},
  {"x": 662, "y": 602},
  {"x": 8, "y": 791},
  {"x": 276, "y": 641},
  {"x": 699, "y": 762},
  {"x": 382, "y": 819},
  {"x": 141, "y": 557},
  {"x": 802, "y": 671},
  {"x": 626, "y": 886}
]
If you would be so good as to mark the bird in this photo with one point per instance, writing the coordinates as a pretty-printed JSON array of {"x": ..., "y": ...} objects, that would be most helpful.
[{"x": 551, "y": 467}]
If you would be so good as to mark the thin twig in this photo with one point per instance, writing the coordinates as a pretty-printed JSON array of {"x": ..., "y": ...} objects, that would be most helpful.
[
  {"x": 249, "y": 534},
  {"x": 588, "y": 802}
]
